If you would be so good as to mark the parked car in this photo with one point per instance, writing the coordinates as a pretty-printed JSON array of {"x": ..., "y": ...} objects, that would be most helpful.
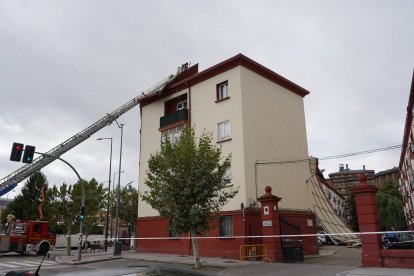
[
  {"x": 321, "y": 240},
  {"x": 403, "y": 240},
  {"x": 325, "y": 238}
]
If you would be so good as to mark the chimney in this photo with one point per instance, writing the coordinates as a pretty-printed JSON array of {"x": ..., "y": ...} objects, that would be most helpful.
[
  {"x": 341, "y": 167},
  {"x": 347, "y": 167},
  {"x": 363, "y": 167}
]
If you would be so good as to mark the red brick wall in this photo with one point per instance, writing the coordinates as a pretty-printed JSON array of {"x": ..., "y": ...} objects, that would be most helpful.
[
  {"x": 218, "y": 247},
  {"x": 397, "y": 258}
]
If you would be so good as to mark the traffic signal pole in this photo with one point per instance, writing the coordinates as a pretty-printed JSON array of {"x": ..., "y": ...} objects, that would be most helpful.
[{"x": 81, "y": 181}]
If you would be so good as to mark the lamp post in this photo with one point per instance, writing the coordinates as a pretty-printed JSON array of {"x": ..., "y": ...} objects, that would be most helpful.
[
  {"x": 109, "y": 192},
  {"x": 113, "y": 203},
  {"x": 113, "y": 184},
  {"x": 121, "y": 126}
]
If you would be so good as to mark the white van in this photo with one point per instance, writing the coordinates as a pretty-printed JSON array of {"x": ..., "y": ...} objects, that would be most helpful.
[{"x": 61, "y": 241}]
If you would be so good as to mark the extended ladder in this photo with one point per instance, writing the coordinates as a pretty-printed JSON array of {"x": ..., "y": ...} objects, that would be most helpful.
[{"x": 10, "y": 181}]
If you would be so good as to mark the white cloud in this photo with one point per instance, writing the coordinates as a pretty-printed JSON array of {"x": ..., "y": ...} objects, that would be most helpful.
[{"x": 66, "y": 64}]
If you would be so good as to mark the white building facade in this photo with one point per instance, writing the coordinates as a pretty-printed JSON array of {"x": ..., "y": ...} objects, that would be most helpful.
[{"x": 253, "y": 113}]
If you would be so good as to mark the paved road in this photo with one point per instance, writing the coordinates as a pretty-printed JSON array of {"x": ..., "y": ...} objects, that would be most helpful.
[
  {"x": 337, "y": 255},
  {"x": 337, "y": 261},
  {"x": 21, "y": 262}
]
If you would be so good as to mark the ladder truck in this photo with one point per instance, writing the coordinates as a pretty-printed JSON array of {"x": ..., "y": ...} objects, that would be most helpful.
[{"x": 10, "y": 181}]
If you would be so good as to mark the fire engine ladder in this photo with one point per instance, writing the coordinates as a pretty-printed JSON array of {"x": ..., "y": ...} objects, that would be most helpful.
[{"x": 10, "y": 181}]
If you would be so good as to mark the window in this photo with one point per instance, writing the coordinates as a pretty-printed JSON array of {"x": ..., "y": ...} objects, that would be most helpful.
[
  {"x": 37, "y": 228},
  {"x": 175, "y": 104},
  {"x": 228, "y": 176},
  {"x": 173, "y": 134},
  {"x": 222, "y": 91},
  {"x": 228, "y": 173},
  {"x": 226, "y": 226},
  {"x": 224, "y": 130},
  {"x": 181, "y": 105}
]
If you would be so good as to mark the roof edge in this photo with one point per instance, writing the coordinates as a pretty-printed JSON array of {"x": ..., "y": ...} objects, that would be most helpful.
[
  {"x": 247, "y": 62},
  {"x": 408, "y": 121}
]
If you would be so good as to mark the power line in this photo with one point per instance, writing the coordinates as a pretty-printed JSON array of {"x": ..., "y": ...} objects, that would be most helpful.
[
  {"x": 361, "y": 152},
  {"x": 338, "y": 156}
]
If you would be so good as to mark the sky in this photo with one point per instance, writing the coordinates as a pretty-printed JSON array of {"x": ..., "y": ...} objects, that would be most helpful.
[{"x": 65, "y": 64}]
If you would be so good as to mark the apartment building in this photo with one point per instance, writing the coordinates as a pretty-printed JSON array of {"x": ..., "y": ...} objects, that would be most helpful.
[
  {"x": 345, "y": 179},
  {"x": 255, "y": 114},
  {"x": 387, "y": 175},
  {"x": 337, "y": 201},
  {"x": 406, "y": 162}
]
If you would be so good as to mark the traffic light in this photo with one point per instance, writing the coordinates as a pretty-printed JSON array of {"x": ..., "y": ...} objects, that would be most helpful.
[
  {"x": 29, "y": 151},
  {"x": 82, "y": 214},
  {"x": 16, "y": 152}
]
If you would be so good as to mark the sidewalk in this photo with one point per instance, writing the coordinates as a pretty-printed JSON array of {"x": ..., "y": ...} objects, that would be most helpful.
[
  {"x": 319, "y": 264},
  {"x": 155, "y": 257}
]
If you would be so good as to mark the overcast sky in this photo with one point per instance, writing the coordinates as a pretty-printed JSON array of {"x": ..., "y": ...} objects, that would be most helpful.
[{"x": 65, "y": 64}]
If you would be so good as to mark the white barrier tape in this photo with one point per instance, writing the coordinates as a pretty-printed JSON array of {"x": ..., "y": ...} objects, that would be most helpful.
[
  {"x": 269, "y": 236},
  {"x": 262, "y": 236}
]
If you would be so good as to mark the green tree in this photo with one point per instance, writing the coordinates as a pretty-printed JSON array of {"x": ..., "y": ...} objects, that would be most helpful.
[
  {"x": 95, "y": 199},
  {"x": 129, "y": 202},
  {"x": 188, "y": 183},
  {"x": 352, "y": 212},
  {"x": 26, "y": 204},
  {"x": 390, "y": 206},
  {"x": 63, "y": 215}
]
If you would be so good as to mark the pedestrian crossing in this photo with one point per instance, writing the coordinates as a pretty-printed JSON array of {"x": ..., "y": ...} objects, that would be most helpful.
[{"x": 24, "y": 264}]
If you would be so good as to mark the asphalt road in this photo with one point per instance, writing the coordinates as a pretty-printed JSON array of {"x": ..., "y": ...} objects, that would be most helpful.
[
  {"x": 344, "y": 259},
  {"x": 15, "y": 262}
]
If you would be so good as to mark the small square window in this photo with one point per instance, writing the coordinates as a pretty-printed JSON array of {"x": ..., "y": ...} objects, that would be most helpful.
[
  {"x": 226, "y": 226},
  {"x": 224, "y": 130},
  {"x": 222, "y": 90}
]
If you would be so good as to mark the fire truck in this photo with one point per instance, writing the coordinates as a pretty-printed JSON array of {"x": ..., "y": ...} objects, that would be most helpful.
[{"x": 28, "y": 237}]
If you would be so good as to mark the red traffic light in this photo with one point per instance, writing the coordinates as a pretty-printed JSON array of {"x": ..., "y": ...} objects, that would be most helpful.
[{"x": 16, "y": 152}]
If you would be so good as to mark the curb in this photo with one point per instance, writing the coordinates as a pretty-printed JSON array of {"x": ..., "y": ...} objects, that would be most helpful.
[
  {"x": 60, "y": 260},
  {"x": 96, "y": 260}
]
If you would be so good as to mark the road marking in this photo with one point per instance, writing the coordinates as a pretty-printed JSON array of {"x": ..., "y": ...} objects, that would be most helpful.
[
  {"x": 8, "y": 265},
  {"x": 18, "y": 264},
  {"x": 38, "y": 263},
  {"x": 49, "y": 262},
  {"x": 4, "y": 272}
]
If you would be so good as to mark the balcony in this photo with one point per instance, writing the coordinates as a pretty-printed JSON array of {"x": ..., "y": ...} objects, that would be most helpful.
[{"x": 169, "y": 119}]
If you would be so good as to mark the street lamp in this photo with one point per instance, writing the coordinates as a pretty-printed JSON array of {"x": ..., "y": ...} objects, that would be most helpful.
[
  {"x": 109, "y": 191},
  {"x": 113, "y": 189},
  {"x": 129, "y": 184},
  {"x": 121, "y": 126},
  {"x": 113, "y": 184}
]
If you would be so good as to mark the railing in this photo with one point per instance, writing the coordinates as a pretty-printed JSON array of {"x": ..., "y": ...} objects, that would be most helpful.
[
  {"x": 174, "y": 117},
  {"x": 254, "y": 252}
]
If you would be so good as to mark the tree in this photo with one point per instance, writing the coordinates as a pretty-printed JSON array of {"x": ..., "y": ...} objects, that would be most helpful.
[
  {"x": 26, "y": 205},
  {"x": 390, "y": 206},
  {"x": 352, "y": 212},
  {"x": 95, "y": 199},
  {"x": 129, "y": 202},
  {"x": 188, "y": 183},
  {"x": 63, "y": 215}
]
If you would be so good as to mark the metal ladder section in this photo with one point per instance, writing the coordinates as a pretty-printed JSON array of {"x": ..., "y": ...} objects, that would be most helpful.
[{"x": 10, "y": 181}]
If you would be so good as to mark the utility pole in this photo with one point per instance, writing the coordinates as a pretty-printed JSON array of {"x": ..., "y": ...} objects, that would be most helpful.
[{"x": 121, "y": 126}]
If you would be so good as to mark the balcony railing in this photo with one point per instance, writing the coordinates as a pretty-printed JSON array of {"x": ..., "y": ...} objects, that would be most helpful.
[{"x": 174, "y": 117}]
